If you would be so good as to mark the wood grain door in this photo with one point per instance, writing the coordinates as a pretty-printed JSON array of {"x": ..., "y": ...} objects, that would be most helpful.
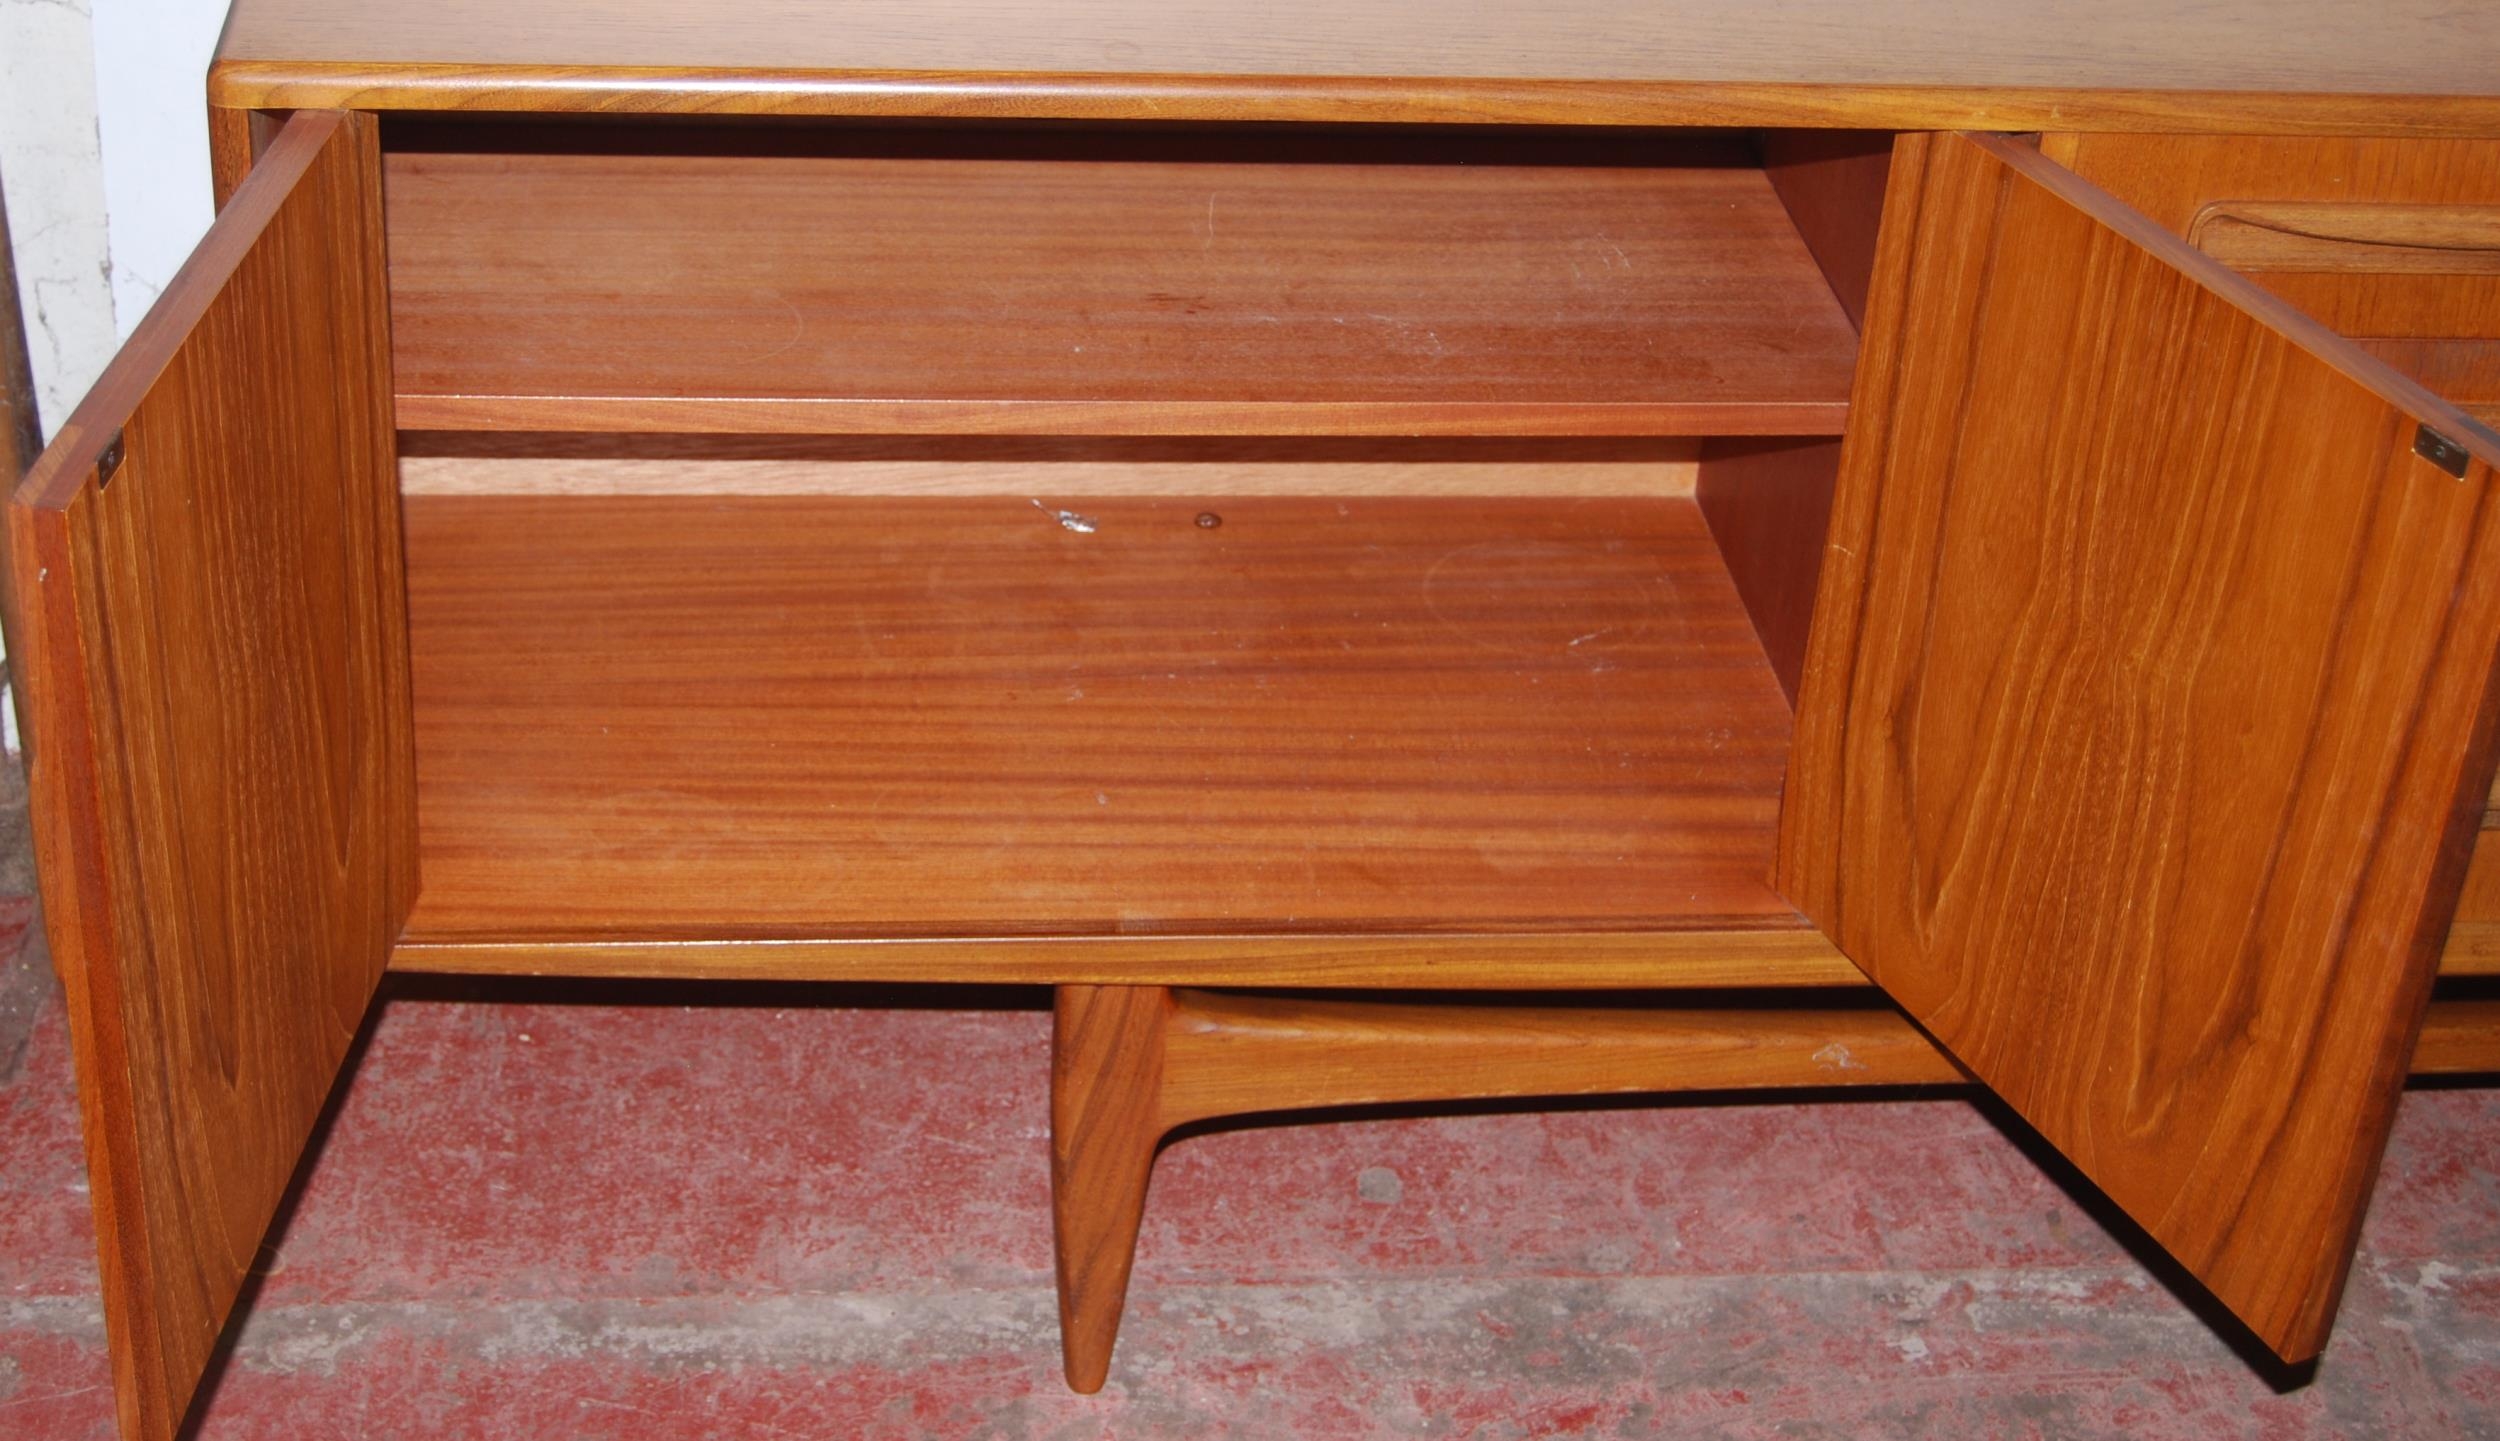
[
  {"x": 2148, "y": 709},
  {"x": 208, "y": 617}
]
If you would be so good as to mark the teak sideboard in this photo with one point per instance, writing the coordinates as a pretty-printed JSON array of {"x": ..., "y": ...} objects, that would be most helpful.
[{"x": 1921, "y": 552}]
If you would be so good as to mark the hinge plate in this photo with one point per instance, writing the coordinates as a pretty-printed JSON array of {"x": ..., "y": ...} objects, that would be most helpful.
[
  {"x": 2440, "y": 451},
  {"x": 108, "y": 461}
]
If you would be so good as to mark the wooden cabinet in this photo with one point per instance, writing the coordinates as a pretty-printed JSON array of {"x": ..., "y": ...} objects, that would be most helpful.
[{"x": 1439, "y": 556}]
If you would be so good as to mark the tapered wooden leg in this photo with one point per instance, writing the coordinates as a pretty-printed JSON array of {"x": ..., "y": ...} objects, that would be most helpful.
[
  {"x": 1106, "y": 1086},
  {"x": 1131, "y": 1062}
]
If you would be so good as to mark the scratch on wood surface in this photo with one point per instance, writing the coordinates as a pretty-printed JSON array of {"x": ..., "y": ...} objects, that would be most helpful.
[{"x": 1836, "y": 1057}]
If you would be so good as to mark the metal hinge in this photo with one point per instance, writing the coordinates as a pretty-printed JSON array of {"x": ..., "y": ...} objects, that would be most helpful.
[{"x": 2440, "y": 451}]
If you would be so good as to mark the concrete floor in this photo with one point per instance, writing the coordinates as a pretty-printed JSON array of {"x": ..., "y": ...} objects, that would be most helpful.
[{"x": 824, "y": 1214}]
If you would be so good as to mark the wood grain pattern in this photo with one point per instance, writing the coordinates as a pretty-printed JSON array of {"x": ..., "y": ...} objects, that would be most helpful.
[
  {"x": 1130, "y": 1063},
  {"x": 2348, "y": 238},
  {"x": 2447, "y": 329},
  {"x": 2233, "y": 65},
  {"x": 2473, "y": 944},
  {"x": 872, "y": 415},
  {"x": 1832, "y": 182},
  {"x": 946, "y": 719},
  {"x": 222, "y": 770},
  {"x": 1020, "y": 466},
  {"x": 891, "y": 292},
  {"x": 1782, "y": 953},
  {"x": 2175, "y": 179},
  {"x": 2147, "y": 715},
  {"x": 230, "y": 151},
  {"x": 1768, "y": 503},
  {"x": 1781, "y": 956},
  {"x": 1106, "y": 1078},
  {"x": 236, "y": 141},
  {"x": 1231, "y": 1055},
  {"x": 2465, "y": 372},
  {"x": 2459, "y": 1037}
]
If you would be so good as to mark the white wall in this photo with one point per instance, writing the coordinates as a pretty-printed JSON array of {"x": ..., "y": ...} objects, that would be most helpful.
[
  {"x": 54, "y": 170},
  {"x": 104, "y": 150},
  {"x": 151, "y": 69},
  {"x": 104, "y": 155}
]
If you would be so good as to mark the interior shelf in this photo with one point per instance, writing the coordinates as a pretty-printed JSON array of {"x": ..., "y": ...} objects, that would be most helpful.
[
  {"x": 894, "y": 288},
  {"x": 703, "y": 717}
]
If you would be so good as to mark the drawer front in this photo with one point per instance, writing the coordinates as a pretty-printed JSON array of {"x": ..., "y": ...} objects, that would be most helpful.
[{"x": 2376, "y": 238}]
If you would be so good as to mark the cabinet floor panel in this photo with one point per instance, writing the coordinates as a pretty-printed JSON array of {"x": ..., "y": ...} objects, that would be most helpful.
[
  {"x": 895, "y": 293},
  {"x": 708, "y": 719}
]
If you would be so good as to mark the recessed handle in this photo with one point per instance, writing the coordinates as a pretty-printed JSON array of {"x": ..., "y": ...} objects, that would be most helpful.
[{"x": 2347, "y": 236}]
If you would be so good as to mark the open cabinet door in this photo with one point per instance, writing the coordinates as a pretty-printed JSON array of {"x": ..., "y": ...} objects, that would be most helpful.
[
  {"x": 208, "y": 619},
  {"x": 2148, "y": 709}
]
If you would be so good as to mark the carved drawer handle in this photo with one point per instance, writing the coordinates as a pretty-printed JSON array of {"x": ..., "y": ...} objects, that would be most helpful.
[{"x": 2361, "y": 238}]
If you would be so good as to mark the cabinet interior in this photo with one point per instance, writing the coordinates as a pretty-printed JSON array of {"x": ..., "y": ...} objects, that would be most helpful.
[{"x": 871, "y": 534}]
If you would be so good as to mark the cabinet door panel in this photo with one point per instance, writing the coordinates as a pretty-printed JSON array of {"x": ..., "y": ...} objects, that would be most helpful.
[
  {"x": 2146, "y": 710},
  {"x": 208, "y": 616}
]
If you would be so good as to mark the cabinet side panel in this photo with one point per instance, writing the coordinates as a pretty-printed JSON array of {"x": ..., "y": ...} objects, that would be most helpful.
[
  {"x": 236, "y": 139},
  {"x": 1832, "y": 182},
  {"x": 2139, "y": 727},
  {"x": 222, "y": 761},
  {"x": 1767, "y": 502}
]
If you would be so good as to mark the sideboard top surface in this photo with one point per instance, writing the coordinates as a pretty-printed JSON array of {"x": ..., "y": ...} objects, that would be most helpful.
[{"x": 2324, "y": 66}]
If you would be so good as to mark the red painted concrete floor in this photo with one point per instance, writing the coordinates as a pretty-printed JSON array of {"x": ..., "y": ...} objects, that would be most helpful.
[{"x": 810, "y": 1217}]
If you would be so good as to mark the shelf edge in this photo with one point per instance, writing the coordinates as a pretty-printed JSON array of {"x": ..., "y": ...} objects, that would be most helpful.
[
  {"x": 1691, "y": 959},
  {"x": 745, "y": 415}
]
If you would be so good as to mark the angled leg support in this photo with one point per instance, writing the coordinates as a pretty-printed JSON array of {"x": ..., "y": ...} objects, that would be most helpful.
[{"x": 1129, "y": 1063}]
